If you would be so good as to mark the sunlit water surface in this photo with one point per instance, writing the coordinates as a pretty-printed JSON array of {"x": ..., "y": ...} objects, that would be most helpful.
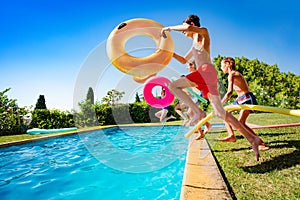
[{"x": 65, "y": 168}]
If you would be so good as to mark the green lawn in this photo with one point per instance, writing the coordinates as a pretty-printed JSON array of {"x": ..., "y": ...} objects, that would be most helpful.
[{"x": 276, "y": 175}]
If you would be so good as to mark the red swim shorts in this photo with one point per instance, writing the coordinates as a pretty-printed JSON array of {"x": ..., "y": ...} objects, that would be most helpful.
[{"x": 206, "y": 78}]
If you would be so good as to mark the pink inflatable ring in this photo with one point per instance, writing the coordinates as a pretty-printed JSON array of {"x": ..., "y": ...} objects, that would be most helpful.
[{"x": 157, "y": 102}]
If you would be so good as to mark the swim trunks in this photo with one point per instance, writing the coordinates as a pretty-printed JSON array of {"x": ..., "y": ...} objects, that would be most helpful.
[
  {"x": 166, "y": 108},
  {"x": 247, "y": 98},
  {"x": 206, "y": 78}
]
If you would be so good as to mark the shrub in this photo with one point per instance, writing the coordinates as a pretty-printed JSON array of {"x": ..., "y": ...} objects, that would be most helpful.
[{"x": 48, "y": 119}]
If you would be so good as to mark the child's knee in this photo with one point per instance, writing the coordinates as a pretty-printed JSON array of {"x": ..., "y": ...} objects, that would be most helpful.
[{"x": 172, "y": 86}]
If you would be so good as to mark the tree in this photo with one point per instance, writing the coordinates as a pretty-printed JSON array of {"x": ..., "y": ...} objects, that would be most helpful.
[
  {"x": 87, "y": 115},
  {"x": 90, "y": 95},
  {"x": 10, "y": 115},
  {"x": 112, "y": 97},
  {"x": 41, "y": 103},
  {"x": 270, "y": 86},
  {"x": 137, "y": 98},
  {"x": 88, "y": 111}
]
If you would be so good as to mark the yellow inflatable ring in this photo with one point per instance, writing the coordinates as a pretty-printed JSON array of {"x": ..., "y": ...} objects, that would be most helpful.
[{"x": 139, "y": 68}]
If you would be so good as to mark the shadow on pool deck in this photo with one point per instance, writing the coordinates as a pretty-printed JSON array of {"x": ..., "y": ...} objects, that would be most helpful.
[{"x": 202, "y": 178}]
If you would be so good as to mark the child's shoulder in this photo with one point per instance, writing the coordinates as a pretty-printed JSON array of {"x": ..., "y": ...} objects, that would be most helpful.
[{"x": 236, "y": 73}]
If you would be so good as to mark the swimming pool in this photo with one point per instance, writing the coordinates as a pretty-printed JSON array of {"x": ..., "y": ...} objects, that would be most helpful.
[{"x": 69, "y": 168}]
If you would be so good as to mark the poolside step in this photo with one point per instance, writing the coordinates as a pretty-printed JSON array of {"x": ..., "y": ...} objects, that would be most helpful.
[{"x": 202, "y": 178}]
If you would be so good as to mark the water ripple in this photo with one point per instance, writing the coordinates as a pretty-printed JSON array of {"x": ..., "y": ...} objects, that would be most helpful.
[{"x": 63, "y": 168}]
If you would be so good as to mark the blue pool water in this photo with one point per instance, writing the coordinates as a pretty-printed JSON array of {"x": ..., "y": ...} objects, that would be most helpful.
[{"x": 115, "y": 163}]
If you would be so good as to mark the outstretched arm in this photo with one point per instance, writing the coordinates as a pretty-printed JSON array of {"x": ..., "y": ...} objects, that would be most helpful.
[
  {"x": 185, "y": 27},
  {"x": 184, "y": 59},
  {"x": 229, "y": 90},
  {"x": 181, "y": 59}
]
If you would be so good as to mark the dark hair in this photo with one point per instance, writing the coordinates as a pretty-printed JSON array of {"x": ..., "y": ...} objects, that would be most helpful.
[
  {"x": 192, "y": 18},
  {"x": 193, "y": 63},
  {"x": 231, "y": 62},
  {"x": 163, "y": 92}
]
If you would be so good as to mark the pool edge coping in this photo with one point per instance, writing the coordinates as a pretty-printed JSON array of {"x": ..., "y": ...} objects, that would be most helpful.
[{"x": 202, "y": 177}]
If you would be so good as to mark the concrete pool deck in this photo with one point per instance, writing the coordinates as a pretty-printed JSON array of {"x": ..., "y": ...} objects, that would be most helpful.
[{"x": 202, "y": 177}]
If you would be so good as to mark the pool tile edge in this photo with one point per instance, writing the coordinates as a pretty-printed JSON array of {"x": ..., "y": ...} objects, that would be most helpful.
[{"x": 202, "y": 177}]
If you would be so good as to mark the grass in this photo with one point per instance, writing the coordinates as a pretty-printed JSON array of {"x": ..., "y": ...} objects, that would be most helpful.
[
  {"x": 14, "y": 138},
  {"x": 276, "y": 175}
]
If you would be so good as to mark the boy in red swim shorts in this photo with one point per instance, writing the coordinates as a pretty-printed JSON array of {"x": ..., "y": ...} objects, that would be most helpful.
[{"x": 205, "y": 77}]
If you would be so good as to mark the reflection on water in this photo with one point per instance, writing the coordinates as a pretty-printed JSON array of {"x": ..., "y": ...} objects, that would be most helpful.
[{"x": 64, "y": 168}]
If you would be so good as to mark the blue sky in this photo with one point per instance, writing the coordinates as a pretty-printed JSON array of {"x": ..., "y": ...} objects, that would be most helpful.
[{"x": 44, "y": 44}]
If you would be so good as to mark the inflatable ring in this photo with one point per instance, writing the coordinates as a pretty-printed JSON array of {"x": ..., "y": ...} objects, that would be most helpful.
[
  {"x": 136, "y": 66},
  {"x": 142, "y": 79},
  {"x": 153, "y": 101}
]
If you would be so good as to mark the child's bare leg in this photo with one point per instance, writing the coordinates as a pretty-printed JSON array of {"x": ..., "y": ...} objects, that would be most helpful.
[
  {"x": 163, "y": 115},
  {"x": 262, "y": 145},
  {"x": 170, "y": 117},
  {"x": 233, "y": 122},
  {"x": 181, "y": 114},
  {"x": 231, "y": 137},
  {"x": 176, "y": 88},
  {"x": 207, "y": 127},
  {"x": 200, "y": 134},
  {"x": 253, "y": 140},
  {"x": 191, "y": 114},
  {"x": 242, "y": 118}
]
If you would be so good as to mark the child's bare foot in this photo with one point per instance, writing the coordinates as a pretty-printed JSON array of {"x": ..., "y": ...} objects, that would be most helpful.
[
  {"x": 172, "y": 117},
  {"x": 207, "y": 127},
  {"x": 255, "y": 146},
  {"x": 200, "y": 134},
  {"x": 230, "y": 138},
  {"x": 263, "y": 147}
]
